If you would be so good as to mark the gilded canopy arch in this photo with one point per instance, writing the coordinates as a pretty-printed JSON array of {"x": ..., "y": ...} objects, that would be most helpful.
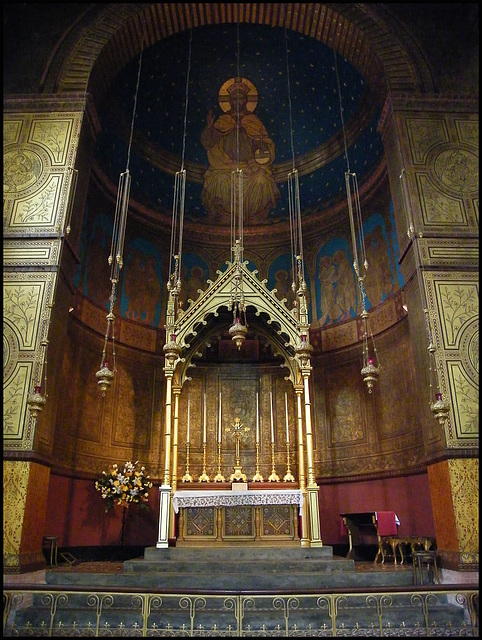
[{"x": 189, "y": 324}]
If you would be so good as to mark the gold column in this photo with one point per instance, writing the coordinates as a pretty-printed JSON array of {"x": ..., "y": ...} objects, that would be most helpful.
[
  {"x": 165, "y": 488},
  {"x": 315, "y": 532},
  {"x": 305, "y": 537},
  {"x": 175, "y": 435},
  {"x": 172, "y": 352}
]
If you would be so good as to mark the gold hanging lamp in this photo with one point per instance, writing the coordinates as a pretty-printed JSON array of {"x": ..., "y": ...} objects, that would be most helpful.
[
  {"x": 105, "y": 375},
  {"x": 370, "y": 370}
]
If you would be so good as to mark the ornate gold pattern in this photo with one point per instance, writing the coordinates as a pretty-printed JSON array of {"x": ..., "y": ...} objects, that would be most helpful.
[
  {"x": 453, "y": 297},
  {"x": 238, "y": 521},
  {"x": 22, "y": 168},
  {"x": 200, "y": 521},
  {"x": 31, "y": 252},
  {"x": 424, "y": 135},
  {"x": 277, "y": 520},
  {"x": 437, "y": 207},
  {"x": 267, "y": 615},
  {"x": 458, "y": 169},
  {"x": 15, "y": 483},
  {"x": 464, "y": 477},
  {"x": 53, "y": 133}
]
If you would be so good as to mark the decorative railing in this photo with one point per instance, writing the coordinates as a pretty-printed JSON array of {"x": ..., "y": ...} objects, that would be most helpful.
[{"x": 433, "y": 611}]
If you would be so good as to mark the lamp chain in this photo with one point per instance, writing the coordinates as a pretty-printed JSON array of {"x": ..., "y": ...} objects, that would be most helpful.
[{"x": 371, "y": 367}]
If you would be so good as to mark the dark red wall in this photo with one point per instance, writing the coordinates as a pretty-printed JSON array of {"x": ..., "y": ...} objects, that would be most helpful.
[
  {"x": 407, "y": 496},
  {"x": 75, "y": 511}
]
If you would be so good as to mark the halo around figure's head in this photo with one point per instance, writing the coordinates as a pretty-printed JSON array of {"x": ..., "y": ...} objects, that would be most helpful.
[{"x": 241, "y": 84}]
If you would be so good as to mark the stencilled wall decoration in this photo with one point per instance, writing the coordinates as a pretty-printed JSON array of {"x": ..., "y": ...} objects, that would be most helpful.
[
  {"x": 454, "y": 300},
  {"x": 438, "y": 208},
  {"x": 464, "y": 477},
  {"x": 38, "y": 151},
  {"x": 445, "y": 159},
  {"x": 15, "y": 483},
  {"x": 26, "y": 298},
  {"x": 424, "y": 135}
]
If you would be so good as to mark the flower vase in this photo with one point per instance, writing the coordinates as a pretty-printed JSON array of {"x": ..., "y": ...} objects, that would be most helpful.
[{"x": 124, "y": 514}]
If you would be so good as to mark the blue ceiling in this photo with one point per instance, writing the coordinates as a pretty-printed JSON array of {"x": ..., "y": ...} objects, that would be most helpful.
[{"x": 300, "y": 109}]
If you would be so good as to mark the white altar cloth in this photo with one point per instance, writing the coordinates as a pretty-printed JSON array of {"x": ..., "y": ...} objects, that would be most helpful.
[{"x": 254, "y": 497}]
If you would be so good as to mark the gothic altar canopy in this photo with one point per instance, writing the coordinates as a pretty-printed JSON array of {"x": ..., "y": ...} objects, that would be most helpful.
[{"x": 214, "y": 478}]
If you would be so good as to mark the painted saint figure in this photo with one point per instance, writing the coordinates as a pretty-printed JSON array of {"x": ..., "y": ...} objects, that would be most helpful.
[{"x": 238, "y": 140}]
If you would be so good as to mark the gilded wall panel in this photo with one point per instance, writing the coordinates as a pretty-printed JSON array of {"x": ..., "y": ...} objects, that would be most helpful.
[
  {"x": 31, "y": 252},
  {"x": 453, "y": 302},
  {"x": 15, "y": 393},
  {"x": 467, "y": 131},
  {"x": 464, "y": 477},
  {"x": 26, "y": 315},
  {"x": 38, "y": 152},
  {"x": 457, "y": 304},
  {"x": 54, "y": 134},
  {"x": 437, "y": 207},
  {"x": 38, "y": 212},
  {"x": 465, "y": 401},
  {"x": 424, "y": 135},
  {"x": 25, "y": 300},
  {"x": 451, "y": 252},
  {"x": 457, "y": 169},
  {"x": 11, "y": 130},
  {"x": 15, "y": 483},
  {"x": 443, "y": 180}
]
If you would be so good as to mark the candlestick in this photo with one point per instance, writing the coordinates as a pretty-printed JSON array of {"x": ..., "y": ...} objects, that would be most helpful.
[
  {"x": 219, "y": 426},
  {"x": 289, "y": 476},
  {"x": 188, "y": 415},
  {"x": 219, "y": 476},
  {"x": 271, "y": 409},
  {"x": 286, "y": 412},
  {"x": 257, "y": 418},
  {"x": 274, "y": 476},
  {"x": 204, "y": 419},
  {"x": 257, "y": 476},
  {"x": 187, "y": 477},
  {"x": 204, "y": 476}
]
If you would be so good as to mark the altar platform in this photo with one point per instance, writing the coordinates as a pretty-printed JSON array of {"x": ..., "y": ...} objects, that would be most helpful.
[{"x": 247, "y": 568}]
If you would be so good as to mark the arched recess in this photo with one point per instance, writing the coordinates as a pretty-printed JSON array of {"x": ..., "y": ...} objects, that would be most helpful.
[{"x": 106, "y": 37}]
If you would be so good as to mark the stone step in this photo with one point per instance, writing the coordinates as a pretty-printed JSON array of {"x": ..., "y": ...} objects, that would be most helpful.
[
  {"x": 237, "y": 567},
  {"x": 265, "y": 580},
  {"x": 245, "y": 552}
]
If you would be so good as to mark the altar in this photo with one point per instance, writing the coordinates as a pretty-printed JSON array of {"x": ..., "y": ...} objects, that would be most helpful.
[{"x": 259, "y": 516}]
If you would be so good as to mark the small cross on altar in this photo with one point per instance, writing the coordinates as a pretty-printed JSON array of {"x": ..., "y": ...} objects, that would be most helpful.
[{"x": 237, "y": 427}]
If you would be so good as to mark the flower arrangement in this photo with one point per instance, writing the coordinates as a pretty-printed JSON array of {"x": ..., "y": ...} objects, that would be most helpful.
[{"x": 124, "y": 487}]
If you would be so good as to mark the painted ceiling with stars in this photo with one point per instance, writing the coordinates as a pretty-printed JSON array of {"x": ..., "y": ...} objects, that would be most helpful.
[{"x": 319, "y": 111}]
